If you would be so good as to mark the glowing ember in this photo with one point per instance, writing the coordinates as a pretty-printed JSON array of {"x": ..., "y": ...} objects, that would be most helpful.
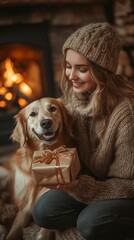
[
  {"x": 22, "y": 102},
  {"x": 3, "y": 91},
  {"x": 9, "y": 96},
  {"x": 3, "y": 104}
]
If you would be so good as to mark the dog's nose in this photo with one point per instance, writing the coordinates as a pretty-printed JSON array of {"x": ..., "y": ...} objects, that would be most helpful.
[{"x": 46, "y": 123}]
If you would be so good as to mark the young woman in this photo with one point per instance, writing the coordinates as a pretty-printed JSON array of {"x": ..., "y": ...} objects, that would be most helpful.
[{"x": 100, "y": 202}]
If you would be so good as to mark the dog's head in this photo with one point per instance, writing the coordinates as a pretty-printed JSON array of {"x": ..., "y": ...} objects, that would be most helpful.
[{"x": 44, "y": 120}]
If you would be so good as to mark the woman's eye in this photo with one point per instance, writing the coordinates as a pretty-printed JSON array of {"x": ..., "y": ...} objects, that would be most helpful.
[
  {"x": 33, "y": 114},
  {"x": 68, "y": 66},
  {"x": 83, "y": 70},
  {"x": 52, "y": 109}
]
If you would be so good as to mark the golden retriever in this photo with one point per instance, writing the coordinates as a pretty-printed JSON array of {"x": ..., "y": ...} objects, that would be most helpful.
[{"x": 43, "y": 124}]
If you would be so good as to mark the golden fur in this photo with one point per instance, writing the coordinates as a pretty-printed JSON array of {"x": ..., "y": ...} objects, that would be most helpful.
[{"x": 42, "y": 124}]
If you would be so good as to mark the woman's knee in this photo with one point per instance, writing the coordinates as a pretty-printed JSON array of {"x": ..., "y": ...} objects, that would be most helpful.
[
  {"x": 87, "y": 231},
  {"x": 96, "y": 222},
  {"x": 55, "y": 210},
  {"x": 46, "y": 208}
]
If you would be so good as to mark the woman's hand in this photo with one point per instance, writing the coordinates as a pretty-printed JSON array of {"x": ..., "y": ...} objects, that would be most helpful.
[{"x": 64, "y": 187}]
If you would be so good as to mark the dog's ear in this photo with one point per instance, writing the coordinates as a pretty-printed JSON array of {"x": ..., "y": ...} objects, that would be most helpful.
[{"x": 20, "y": 132}]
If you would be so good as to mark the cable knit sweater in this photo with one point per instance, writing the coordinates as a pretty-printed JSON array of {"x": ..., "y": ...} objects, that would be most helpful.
[{"x": 111, "y": 162}]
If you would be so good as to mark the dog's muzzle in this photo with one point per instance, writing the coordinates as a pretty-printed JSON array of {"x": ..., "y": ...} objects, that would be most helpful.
[{"x": 48, "y": 134}]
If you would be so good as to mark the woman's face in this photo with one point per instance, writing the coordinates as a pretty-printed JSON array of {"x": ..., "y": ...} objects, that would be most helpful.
[{"x": 78, "y": 72}]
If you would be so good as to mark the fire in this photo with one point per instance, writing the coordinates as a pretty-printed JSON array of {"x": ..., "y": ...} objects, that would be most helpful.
[
  {"x": 14, "y": 87},
  {"x": 9, "y": 74},
  {"x": 24, "y": 88},
  {"x": 3, "y": 91},
  {"x": 9, "y": 96},
  {"x": 2, "y": 104},
  {"x": 22, "y": 102}
]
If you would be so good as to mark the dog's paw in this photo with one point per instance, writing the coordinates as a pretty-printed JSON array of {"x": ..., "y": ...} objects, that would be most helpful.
[{"x": 45, "y": 234}]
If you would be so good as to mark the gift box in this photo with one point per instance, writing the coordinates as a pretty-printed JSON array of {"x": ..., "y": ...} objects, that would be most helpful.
[{"x": 55, "y": 167}]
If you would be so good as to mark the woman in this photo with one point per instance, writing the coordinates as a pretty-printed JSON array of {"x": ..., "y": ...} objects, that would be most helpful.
[{"x": 100, "y": 202}]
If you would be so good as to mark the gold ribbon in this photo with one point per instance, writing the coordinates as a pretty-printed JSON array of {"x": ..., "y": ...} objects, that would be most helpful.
[{"x": 49, "y": 156}]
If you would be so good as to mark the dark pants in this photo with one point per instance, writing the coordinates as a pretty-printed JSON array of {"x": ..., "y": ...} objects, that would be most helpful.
[{"x": 109, "y": 219}]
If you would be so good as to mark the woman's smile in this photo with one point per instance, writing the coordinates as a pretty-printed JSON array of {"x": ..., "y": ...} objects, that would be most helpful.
[{"x": 77, "y": 84}]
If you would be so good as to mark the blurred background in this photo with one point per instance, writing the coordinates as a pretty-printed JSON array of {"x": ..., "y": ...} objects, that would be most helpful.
[{"x": 32, "y": 33}]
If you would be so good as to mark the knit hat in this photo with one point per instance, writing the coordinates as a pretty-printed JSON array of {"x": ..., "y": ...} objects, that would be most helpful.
[{"x": 98, "y": 42}]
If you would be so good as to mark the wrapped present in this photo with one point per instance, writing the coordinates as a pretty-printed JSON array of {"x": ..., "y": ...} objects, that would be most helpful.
[{"x": 55, "y": 167}]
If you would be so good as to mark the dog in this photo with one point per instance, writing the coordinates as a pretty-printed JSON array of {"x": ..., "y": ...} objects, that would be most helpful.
[{"x": 43, "y": 124}]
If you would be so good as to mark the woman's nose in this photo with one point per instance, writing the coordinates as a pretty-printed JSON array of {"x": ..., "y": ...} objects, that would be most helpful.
[{"x": 72, "y": 75}]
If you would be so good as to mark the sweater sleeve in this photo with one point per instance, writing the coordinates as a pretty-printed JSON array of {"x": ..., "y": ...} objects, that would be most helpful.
[{"x": 90, "y": 190}]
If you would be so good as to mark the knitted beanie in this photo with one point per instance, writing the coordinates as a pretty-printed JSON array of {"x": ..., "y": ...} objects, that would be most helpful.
[{"x": 98, "y": 42}]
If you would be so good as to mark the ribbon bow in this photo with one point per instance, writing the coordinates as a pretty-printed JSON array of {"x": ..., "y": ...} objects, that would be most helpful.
[{"x": 49, "y": 156}]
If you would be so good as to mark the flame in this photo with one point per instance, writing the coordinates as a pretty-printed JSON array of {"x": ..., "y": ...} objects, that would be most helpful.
[
  {"x": 24, "y": 88},
  {"x": 12, "y": 81},
  {"x": 10, "y": 75}
]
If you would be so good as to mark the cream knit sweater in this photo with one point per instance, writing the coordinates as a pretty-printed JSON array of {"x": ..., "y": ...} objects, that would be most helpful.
[{"x": 111, "y": 164}]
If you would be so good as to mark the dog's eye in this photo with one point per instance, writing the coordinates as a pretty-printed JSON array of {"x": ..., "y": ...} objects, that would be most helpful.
[
  {"x": 33, "y": 114},
  {"x": 52, "y": 109}
]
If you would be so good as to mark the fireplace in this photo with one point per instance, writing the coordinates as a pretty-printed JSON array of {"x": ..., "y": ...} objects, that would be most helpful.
[{"x": 25, "y": 70}]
